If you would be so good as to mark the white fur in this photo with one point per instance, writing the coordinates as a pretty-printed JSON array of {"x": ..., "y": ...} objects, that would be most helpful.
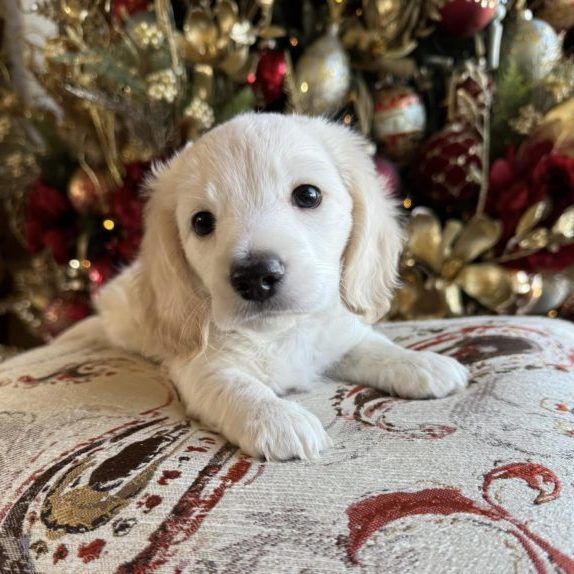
[{"x": 229, "y": 360}]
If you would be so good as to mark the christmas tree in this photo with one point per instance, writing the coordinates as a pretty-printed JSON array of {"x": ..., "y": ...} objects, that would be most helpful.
[{"x": 468, "y": 104}]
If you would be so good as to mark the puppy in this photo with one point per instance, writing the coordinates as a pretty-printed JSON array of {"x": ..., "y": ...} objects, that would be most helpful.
[{"x": 270, "y": 248}]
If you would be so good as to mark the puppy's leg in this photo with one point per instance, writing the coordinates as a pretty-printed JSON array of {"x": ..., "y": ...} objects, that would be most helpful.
[
  {"x": 378, "y": 362},
  {"x": 247, "y": 412}
]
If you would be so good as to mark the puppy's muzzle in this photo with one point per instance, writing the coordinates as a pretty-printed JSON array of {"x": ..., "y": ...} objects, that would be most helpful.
[{"x": 256, "y": 277}]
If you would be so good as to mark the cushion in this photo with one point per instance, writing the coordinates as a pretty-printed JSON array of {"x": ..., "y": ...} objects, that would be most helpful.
[{"x": 101, "y": 472}]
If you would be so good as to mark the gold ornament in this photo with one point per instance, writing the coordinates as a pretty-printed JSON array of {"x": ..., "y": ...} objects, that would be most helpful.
[
  {"x": 198, "y": 117},
  {"x": 556, "y": 127},
  {"x": 527, "y": 120},
  {"x": 440, "y": 264},
  {"x": 558, "y": 13},
  {"x": 18, "y": 163},
  {"x": 220, "y": 37},
  {"x": 530, "y": 238},
  {"x": 390, "y": 30},
  {"x": 147, "y": 35},
  {"x": 323, "y": 76},
  {"x": 89, "y": 190},
  {"x": 162, "y": 86}
]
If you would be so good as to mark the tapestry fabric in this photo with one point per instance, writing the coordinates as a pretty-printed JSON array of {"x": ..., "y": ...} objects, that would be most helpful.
[{"x": 100, "y": 471}]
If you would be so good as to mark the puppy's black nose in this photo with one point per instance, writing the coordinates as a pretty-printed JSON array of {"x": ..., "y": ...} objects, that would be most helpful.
[{"x": 256, "y": 277}]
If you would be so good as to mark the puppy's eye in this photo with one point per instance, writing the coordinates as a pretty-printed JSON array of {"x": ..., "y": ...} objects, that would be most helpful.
[
  {"x": 306, "y": 196},
  {"x": 203, "y": 223}
]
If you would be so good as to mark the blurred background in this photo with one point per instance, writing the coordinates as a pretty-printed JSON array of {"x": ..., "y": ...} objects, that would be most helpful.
[{"x": 468, "y": 105}]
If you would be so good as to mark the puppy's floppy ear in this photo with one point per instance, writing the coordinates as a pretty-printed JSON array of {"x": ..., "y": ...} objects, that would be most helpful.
[
  {"x": 370, "y": 261},
  {"x": 176, "y": 303}
]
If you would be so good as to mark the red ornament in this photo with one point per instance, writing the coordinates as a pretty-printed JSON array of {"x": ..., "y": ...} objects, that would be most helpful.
[
  {"x": 101, "y": 271},
  {"x": 121, "y": 9},
  {"x": 390, "y": 174},
  {"x": 60, "y": 241},
  {"x": 47, "y": 203},
  {"x": 465, "y": 18},
  {"x": 270, "y": 74},
  {"x": 445, "y": 168},
  {"x": 49, "y": 222},
  {"x": 63, "y": 311}
]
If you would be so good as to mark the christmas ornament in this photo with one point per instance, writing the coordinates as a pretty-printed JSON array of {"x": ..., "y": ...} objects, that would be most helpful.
[
  {"x": 399, "y": 121},
  {"x": 390, "y": 174},
  {"x": 558, "y": 13},
  {"x": 101, "y": 271},
  {"x": 121, "y": 9},
  {"x": 449, "y": 253},
  {"x": 554, "y": 129},
  {"x": 218, "y": 37},
  {"x": 90, "y": 192},
  {"x": 63, "y": 311},
  {"x": 145, "y": 32},
  {"x": 531, "y": 45},
  {"x": 162, "y": 86},
  {"x": 449, "y": 168},
  {"x": 390, "y": 30},
  {"x": 197, "y": 117},
  {"x": 323, "y": 76},
  {"x": 270, "y": 74},
  {"x": 465, "y": 18}
]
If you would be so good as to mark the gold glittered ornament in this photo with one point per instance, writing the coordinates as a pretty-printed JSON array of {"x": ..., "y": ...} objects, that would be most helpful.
[
  {"x": 89, "y": 191},
  {"x": 323, "y": 76},
  {"x": 531, "y": 45}
]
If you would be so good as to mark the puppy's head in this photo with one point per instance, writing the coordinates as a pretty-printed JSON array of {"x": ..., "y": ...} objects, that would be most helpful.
[{"x": 269, "y": 216}]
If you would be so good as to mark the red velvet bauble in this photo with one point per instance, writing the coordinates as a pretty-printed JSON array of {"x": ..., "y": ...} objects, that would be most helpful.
[
  {"x": 63, "y": 311},
  {"x": 445, "y": 165},
  {"x": 464, "y": 18},
  {"x": 270, "y": 74}
]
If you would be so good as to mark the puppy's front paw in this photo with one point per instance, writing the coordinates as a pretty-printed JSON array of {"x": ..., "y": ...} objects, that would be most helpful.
[
  {"x": 425, "y": 375},
  {"x": 281, "y": 430}
]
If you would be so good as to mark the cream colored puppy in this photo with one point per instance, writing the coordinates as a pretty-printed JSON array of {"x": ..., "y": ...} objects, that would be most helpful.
[{"x": 270, "y": 247}]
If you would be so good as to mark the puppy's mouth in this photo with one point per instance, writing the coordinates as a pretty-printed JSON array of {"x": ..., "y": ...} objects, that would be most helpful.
[
  {"x": 263, "y": 311},
  {"x": 254, "y": 314}
]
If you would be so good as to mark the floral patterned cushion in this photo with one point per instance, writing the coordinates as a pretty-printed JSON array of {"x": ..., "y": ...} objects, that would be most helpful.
[{"x": 101, "y": 472}]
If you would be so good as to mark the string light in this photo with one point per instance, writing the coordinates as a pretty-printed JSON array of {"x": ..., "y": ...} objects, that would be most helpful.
[
  {"x": 74, "y": 264},
  {"x": 294, "y": 41},
  {"x": 407, "y": 203},
  {"x": 108, "y": 224},
  {"x": 304, "y": 87}
]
